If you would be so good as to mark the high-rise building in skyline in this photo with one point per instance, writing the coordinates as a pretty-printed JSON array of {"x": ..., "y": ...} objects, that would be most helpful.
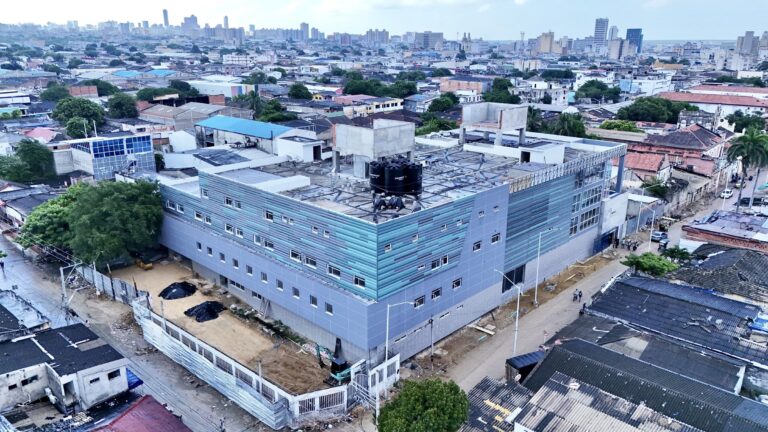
[
  {"x": 226, "y": 22},
  {"x": 747, "y": 44},
  {"x": 613, "y": 33},
  {"x": 601, "y": 31},
  {"x": 304, "y": 31},
  {"x": 635, "y": 38},
  {"x": 165, "y": 18},
  {"x": 428, "y": 39}
]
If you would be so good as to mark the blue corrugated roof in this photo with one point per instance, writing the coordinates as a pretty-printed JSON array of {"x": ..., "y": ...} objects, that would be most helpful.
[
  {"x": 125, "y": 73},
  {"x": 161, "y": 72},
  {"x": 244, "y": 127}
]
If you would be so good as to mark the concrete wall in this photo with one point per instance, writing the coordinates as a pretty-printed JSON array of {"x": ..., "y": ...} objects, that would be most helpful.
[
  {"x": 103, "y": 388},
  {"x": 387, "y": 138},
  {"x": 63, "y": 161},
  {"x": 182, "y": 141},
  {"x": 22, "y": 393},
  {"x": 82, "y": 161}
]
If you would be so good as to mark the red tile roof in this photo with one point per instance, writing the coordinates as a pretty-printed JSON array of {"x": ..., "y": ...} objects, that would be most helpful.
[
  {"x": 146, "y": 415},
  {"x": 714, "y": 99},
  {"x": 649, "y": 162},
  {"x": 730, "y": 89}
]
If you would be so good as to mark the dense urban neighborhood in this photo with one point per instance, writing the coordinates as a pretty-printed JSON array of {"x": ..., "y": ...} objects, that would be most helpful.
[{"x": 225, "y": 228}]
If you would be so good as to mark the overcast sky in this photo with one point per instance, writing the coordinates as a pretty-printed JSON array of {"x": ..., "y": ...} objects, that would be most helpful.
[{"x": 490, "y": 19}]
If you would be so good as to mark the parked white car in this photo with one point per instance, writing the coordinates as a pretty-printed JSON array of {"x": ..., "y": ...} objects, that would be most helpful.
[{"x": 727, "y": 193}]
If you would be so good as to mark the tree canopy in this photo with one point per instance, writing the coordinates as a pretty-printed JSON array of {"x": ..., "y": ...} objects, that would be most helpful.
[
  {"x": 122, "y": 105},
  {"x": 754, "y": 81},
  {"x": 257, "y": 78},
  {"x": 299, "y": 91},
  {"x": 441, "y": 72},
  {"x": 499, "y": 92},
  {"x": 31, "y": 163},
  {"x": 104, "y": 88},
  {"x": 150, "y": 93},
  {"x": 650, "y": 263},
  {"x": 568, "y": 125},
  {"x": 426, "y": 406},
  {"x": 441, "y": 104},
  {"x": 743, "y": 121},
  {"x": 74, "y": 63},
  {"x": 274, "y": 112},
  {"x": 597, "y": 90},
  {"x": 54, "y": 93},
  {"x": 78, "y": 107},
  {"x": 411, "y": 76},
  {"x": 557, "y": 74},
  {"x": 78, "y": 127},
  {"x": 400, "y": 89},
  {"x": 620, "y": 125},
  {"x": 77, "y": 221},
  {"x": 653, "y": 109}
]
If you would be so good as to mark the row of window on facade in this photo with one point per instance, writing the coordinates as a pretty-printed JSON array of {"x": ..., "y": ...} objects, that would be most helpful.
[
  {"x": 419, "y": 329},
  {"x": 584, "y": 221},
  {"x": 436, "y": 294}
]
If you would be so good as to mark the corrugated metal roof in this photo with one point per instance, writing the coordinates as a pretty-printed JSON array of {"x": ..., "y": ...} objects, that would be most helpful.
[{"x": 244, "y": 127}]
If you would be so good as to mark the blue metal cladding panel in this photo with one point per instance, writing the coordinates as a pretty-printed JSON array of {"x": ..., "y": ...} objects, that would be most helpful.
[
  {"x": 534, "y": 210},
  {"x": 349, "y": 245}
]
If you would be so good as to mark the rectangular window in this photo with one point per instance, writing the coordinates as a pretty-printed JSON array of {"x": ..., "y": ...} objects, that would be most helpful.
[
  {"x": 228, "y": 201},
  {"x": 235, "y": 263},
  {"x": 12, "y": 387},
  {"x": 334, "y": 271},
  {"x": 387, "y": 247},
  {"x": 199, "y": 246},
  {"x": 588, "y": 219},
  {"x": 296, "y": 293},
  {"x": 295, "y": 255},
  {"x": 495, "y": 238},
  {"x": 360, "y": 281},
  {"x": 435, "y": 264},
  {"x": 481, "y": 214},
  {"x": 269, "y": 216},
  {"x": 327, "y": 234},
  {"x": 421, "y": 267},
  {"x": 180, "y": 208},
  {"x": 114, "y": 374},
  {"x": 456, "y": 283},
  {"x": 210, "y": 251},
  {"x": 476, "y": 247},
  {"x": 204, "y": 192},
  {"x": 495, "y": 209},
  {"x": 170, "y": 204},
  {"x": 238, "y": 204},
  {"x": 459, "y": 223},
  {"x": 207, "y": 220},
  {"x": 444, "y": 228},
  {"x": 33, "y": 378},
  {"x": 291, "y": 221},
  {"x": 313, "y": 301},
  {"x": 436, "y": 293},
  {"x": 249, "y": 270},
  {"x": 315, "y": 230},
  {"x": 198, "y": 215},
  {"x": 419, "y": 302},
  {"x": 239, "y": 232},
  {"x": 574, "y": 225},
  {"x": 285, "y": 219},
  {"x": 329, "y": 309},
  {"x": 264, "y": 277},
  {"x": 222, "y": 257},
  {"x": 257, "y": 239},
  {"x": 445, "y": 259},
  {"x": 279, "y": 284},
  {"x": 269, "y": 245},
  {"x": 515, "y": 276},
  {"x": 237, "y": 285},
  {"x": 310, "y": 262},
  {"x": 414, "y": 238},
  {"x": 93, "y": 381},
  {"x": 229, "y": 228}
]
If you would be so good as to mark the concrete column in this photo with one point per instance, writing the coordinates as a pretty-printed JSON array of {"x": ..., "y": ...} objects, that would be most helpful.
[
  {"x": 462, "y": 135},
  {"x": 620, "y": 175},
  {"x": 498, "y": 139},
  {"x": 521, "y": 138},
  {"x": 335, "y": 162},
  {"x": 486, "y": 136}
]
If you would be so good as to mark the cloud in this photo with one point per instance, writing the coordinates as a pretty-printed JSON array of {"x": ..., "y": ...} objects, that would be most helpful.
[
  {"x": 521, "y": 2},
  {"x": 483, "y": 8},
  {"x": 654, "y": 4}
]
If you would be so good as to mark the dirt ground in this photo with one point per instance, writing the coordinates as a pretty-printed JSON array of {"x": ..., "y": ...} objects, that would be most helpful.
[
  {"x": 454, "y": 347},
  {"x": 283, "y": 362}
]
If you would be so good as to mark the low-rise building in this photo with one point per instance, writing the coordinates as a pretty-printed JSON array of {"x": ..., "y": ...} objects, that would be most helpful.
[
  {"x": 419, "y": 102},
  {"x": 106, "y": 155},
  {"x": 731, "y": 229},
  {"x": 70, "y": 366},
  {"x": 465, "y": 82},
  {"x": 724, "y": 103}
]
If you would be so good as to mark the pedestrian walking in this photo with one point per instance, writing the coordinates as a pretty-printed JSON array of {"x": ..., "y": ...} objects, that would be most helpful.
[
  {"x": 575, "y": 295},
  {"x": 2, "y": 266},
  {"x": 580, "y": 293}
]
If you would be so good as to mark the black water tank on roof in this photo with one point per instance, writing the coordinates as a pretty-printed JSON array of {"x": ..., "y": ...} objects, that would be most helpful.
[
  {"x": 376, "y": 172},
  {"x": 394, "y": 178},
  {"x": 413, "y": 178}
]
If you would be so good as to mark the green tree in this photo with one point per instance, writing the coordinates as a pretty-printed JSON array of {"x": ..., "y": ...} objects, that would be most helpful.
[
  {"x": 254, "y": 103},
  {"x": 763, "y": 66},
  {"x": 38, "y": 159},
  {"x": 752, "y": 150},
  {"x": 54, "y": 93},
  {"x": 620, "y": 125},
  {"x": 426, "y": 406},
  {"x": 653, "y": 109},
  {"x": 299, "y": 91},
  {"x": 274, "y": 112},
  {"x": 546, "y": 99},
  {"x": 557, "y": 74},
  {"x": 12, "y": 168},
  {"x": 650, "y": 263},
  {"x": 104, "y": 88},
  {"x": 122, "y": 105},
  {"x": 656, "y": 188},
  {"x": 535, "y": 122},
  {"x": 353, "y": 76},
  {"x": 411, "y": 76},
  {"x": 48, "y": 223},
  {"x": 677, "y": 254},
  {"x": 159, "y": 162},
  {"x": 441, "y": 72},
  {"x": 743, "y": 121},
  {"x": 52, "y": 68},
  {"x": 597, "y": 90},
  {"x": 78, "y": 127},
  {"x": 441, "y": 104},
  {"x": 499, "y": 92},
  {"x": 435, "y": 124},
  {"x": 150, "y": 93},
  {"x": 183, "y": 88},
  {"x": 256, "y": 78},
  {"x": 568, "y": 125},
  {"x": 74, "y": 63},
  {"x": 78, "y": 107},
  {"x": 116, "y": 63}
]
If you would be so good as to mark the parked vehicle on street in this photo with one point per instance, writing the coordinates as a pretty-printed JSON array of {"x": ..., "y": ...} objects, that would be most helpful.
[
  {"x": 727, "y": 193},
  {"x": 657, "y": 236}
]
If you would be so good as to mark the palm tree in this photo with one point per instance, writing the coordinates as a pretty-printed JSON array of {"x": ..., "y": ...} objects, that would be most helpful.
[
  {"x": 569, "y": 125},
  {"x": 535, "y": 121},
  {"x": 752, "y": 148}
]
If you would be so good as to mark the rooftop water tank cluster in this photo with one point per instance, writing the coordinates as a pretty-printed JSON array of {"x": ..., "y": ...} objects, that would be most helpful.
[{"x": 396, "y": 177}]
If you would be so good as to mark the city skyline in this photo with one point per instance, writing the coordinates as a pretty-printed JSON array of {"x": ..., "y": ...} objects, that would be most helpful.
[{"x": 489, "y": 19}]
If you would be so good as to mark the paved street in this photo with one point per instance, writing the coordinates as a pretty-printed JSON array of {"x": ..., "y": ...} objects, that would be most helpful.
[
  {"x": 201, "y": 407},
  {"x": 538, "y": 325}
]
